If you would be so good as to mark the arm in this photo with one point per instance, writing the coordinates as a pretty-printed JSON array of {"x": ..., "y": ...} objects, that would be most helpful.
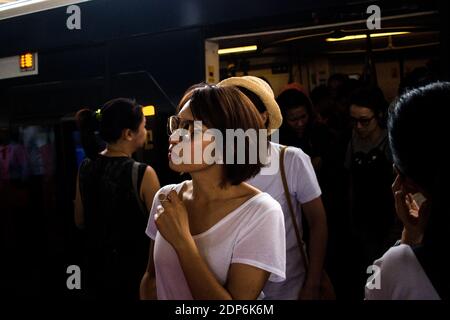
[
  {"x": 147, "y": 290},
  {"x": 244, "y": 282},
  {"x": 78, "y": 205},
  {"x": 314, "y": 213},
  {"x": 317, "y": 164},
  {"x": 149, "y": 187},
  {"x": 307, "y": 192}
]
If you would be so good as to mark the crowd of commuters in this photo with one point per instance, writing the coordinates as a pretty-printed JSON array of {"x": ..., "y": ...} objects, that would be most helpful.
[{"x": 308, "y": 230}]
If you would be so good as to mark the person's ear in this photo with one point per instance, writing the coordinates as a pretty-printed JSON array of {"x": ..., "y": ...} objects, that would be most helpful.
[
  {"x": 265, "y": 117},
  {"x": 127, "y": 134}
]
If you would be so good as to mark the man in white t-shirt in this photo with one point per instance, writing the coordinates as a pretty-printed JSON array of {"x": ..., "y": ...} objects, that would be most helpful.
[{"x": 305, "y": 195}]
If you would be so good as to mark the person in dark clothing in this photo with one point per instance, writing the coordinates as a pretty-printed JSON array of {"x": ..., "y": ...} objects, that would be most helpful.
[
  {"x": 300, "y": 128},
  {"x": 113, "y": 197},
  {"x": 414, "y": 269},
  {"x": 369, "y": 162}
]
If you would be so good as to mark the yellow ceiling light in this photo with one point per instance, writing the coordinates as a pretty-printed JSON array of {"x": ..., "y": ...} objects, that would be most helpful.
[
  {"x": 364, "y": 36},
  {"x": 238, "y": 49},
  {"x": 26, "y": 61},
  {"x": 148, "y": 111}
]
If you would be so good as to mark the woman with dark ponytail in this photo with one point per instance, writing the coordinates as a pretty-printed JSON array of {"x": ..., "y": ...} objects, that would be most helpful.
[
  {"x": 113, "y": 197},
  {"x": 418, "y": 134}
]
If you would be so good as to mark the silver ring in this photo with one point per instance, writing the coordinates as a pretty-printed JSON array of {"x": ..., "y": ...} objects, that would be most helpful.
[{"x": 159, "y": 209}]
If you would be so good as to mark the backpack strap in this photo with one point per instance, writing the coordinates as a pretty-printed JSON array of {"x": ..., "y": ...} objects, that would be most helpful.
[
  {"x": 134, "y": 178},
  {"x": 300, "y": 243}
]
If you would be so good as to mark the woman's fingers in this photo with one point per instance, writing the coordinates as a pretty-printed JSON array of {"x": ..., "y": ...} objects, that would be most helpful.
[
  {"x": 174, "y": 198},
  {"x": 397, "y": 184},
  {"x": 168, "y": 202},
  {"x": 401, "y": 206},
  {"x": 412, "y": 205},
  {"x": 424, "y": 212}
]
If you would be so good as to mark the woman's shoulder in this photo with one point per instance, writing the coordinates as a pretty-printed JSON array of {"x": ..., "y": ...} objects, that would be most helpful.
[
  {"x": 398, "y": 255},
  {"x": 291, "y": 152},
  {"x": 402, "y": 276},
  {"x": 262, "y": 204}
]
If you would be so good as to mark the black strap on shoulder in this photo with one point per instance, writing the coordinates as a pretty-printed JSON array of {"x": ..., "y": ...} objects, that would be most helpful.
[{"x": 134, "y": 178}]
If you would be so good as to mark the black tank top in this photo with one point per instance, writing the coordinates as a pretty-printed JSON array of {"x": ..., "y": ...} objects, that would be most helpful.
[{"x": 116, "y": 243}]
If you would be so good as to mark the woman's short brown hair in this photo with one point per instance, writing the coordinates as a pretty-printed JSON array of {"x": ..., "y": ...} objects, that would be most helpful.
[{"x": 224, "y": 108}]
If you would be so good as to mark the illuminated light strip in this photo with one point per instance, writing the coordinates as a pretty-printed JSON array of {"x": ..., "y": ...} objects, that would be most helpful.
[
  {"x": 364, "y": 36},
  {"x": 238, "y": 49},
  {"x": 148, "y": 111}
]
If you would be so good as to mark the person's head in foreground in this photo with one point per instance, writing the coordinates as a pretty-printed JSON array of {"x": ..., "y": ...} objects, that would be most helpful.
[
  {"x": 205, "y": 110},
  {"x": 418, "y": 136}
]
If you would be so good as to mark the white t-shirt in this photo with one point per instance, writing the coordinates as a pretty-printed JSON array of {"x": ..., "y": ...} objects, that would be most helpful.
[
  {"x": 401, "y": 277},
  {"x": 303, "y": 187},
  {"x": 252, "y": 234}
]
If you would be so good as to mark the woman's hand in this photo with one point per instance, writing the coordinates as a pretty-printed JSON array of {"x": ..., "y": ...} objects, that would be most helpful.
[
  {"x": 173, "y": 221},
  {"x": 413, "y": 217}
]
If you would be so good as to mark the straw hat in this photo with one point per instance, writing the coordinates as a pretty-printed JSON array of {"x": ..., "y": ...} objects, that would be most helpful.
[{"x": 262, "y": 89}]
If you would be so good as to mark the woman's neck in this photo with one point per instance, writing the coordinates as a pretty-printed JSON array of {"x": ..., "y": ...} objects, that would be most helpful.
[
  {"x": 206, "y": 185},
  {"x": 117, "y": 150}
]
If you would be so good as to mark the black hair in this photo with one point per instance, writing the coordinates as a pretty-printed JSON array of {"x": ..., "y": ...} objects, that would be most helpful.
[
  {"x": 418, "y": 135},
  {"x": 339, "y": 77},
  {"x": 418, "y": 77},
  {"x": 114, "y": 116},
  {"x": 256, "y": 100},
  {"x": 253, "y": 98},
  {"x": 293, "y": 98},
  {"x": 371, "y": 97}
]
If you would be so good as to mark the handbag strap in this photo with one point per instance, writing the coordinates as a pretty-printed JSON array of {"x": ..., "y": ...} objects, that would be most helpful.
[
  {"x": 134, "y": 178},
  {"x": 301, "y": 244}
]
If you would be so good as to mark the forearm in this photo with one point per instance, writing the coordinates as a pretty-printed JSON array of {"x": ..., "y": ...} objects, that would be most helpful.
[
  {"x": 317, "y": 249},
  {"x": 201, "y": 281},
  {"x": 147, "y": 290}
]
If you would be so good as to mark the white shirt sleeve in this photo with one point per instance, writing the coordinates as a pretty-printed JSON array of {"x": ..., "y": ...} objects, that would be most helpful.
[
  {"x": 399, "y": 276},
  {"x": 261, "y": 243},
  {"x": 301, "y": 176},
  {"x": 151, "y": 229}
]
